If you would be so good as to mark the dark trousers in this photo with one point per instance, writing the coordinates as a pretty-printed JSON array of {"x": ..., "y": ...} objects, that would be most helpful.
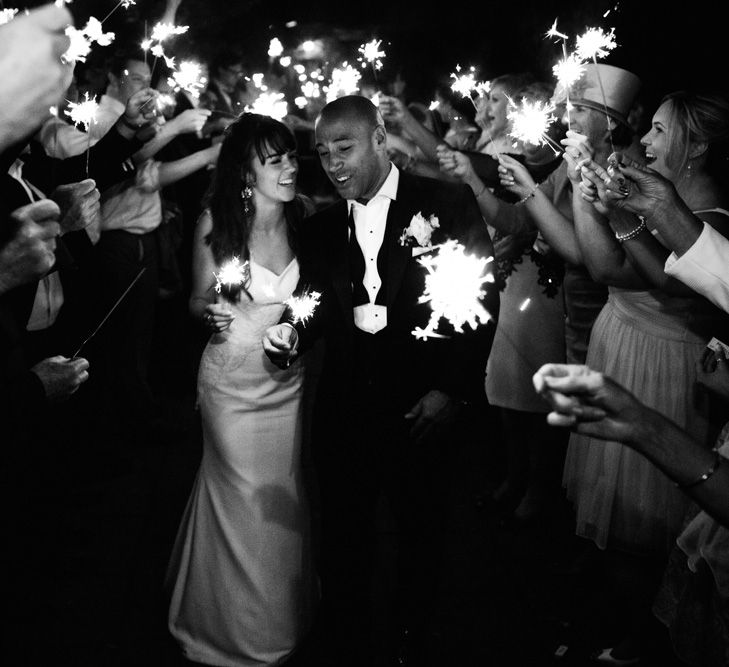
[
  {"x": 121, "y": 351},
  {"x": 368, "y": 467}
]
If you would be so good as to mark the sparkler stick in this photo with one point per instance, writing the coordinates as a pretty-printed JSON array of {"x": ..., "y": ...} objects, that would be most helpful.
[
  {"x": 113, "y": 308},
  {"x": 85, "y": 114},
  {"x": 594, "y": 44},
  {"x": 122, "y": 3},
  {"x": 567, "y": 106},
  {"x": 604, "y": 103}
]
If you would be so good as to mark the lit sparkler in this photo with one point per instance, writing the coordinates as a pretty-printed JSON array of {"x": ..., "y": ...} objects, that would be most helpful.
[
  {"x": 188, "y": 76},
  {"x": 302, "y": 307},
  {"x": 7, "y": 15},
  {"x": 275, "y": 48},
  {"x": 82, "y": 40},
  {"x": 231, "y": 280},
  {"x": 464, "y": 84},
  {"x": 270, "y": 104},
  {"x": 83, "y": 113},
  {"x": 454, "y": 289},
  {"x": 122, "y": 3},
  {"x": 345, "y": 81},
  {"x": 163, "y": 31},
  {"x": 311, "y": 89},
  {"x": 553, "y": 32},
  {"x": 370, "y": 53},
  {"x": 530, "y": 121},
  {"x": 568, "y": 71},
  {"x": 595, "y": 43}
]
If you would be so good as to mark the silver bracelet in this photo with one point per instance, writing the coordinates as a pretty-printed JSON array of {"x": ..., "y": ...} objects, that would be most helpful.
[
  {"x": 622, "y": 238},
  {"x": 709, "y": 472},
  {"x": 526, "y": 198}
]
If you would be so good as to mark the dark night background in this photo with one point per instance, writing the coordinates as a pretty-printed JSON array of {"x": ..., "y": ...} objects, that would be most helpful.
[{"x": 669, "y": 45}]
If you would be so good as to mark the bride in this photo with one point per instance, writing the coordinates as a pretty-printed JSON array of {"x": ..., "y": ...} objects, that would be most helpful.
[{"x": 240, "y": 570}]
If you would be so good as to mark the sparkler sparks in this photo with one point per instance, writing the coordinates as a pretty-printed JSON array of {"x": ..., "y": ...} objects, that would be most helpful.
[
  {"x": 553, "y": 32},
  {"x": 345, "y": 81},
  {"x": 270, "y": 104},
  {"x": 163, "y": 31},
  {"x": 232, "y": 278},
  {"x": 464, "y": 84},
  {"x": 371, "y": 54},
  {"x": 530, "y": 122},
  {"x": 569, "y": 70},
  {"x": 83, "y": 113},
  {"x": 188, "y": 76},
  {"x": 81, "y": 40},
  {"x": 595, "y": 43},
  {"x": 275, "y": 48},
  {"x": 7, "y": 15},
  {"x": 302, "y": 307},
  {"x": 454, "y": 288}
]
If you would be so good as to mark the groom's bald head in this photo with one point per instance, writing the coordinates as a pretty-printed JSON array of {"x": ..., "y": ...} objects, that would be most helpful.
[{"x": 354, "y": 109}]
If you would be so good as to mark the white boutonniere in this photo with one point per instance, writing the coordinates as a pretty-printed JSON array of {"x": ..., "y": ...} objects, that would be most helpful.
[{"x": 419, "y": 231}]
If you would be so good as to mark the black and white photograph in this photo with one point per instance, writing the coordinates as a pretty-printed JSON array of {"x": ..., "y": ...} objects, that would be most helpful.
[{"x": 383, "y": 334}]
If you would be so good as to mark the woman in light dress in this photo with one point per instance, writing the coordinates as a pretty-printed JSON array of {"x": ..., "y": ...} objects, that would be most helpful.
[
  {"x": 240, "y": 572},
  {"x": 648, "y": 338}
]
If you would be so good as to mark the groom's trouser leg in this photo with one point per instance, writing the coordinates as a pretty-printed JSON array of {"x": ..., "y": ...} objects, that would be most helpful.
[{"x": 349, "y": 489}]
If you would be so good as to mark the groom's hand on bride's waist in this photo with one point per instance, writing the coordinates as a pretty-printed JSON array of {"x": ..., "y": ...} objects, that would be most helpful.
[{"x": 280, "y": 343}]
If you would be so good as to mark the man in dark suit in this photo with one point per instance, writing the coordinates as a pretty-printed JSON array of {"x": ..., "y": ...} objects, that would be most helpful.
[{"x": 390, "y": 409}]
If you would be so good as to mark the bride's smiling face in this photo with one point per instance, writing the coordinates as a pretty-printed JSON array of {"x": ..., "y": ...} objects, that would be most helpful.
[{"x": 275, "y": 177}]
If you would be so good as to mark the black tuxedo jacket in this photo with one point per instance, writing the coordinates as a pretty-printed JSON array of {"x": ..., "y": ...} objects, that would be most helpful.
[{"x": 409, "y": 368}]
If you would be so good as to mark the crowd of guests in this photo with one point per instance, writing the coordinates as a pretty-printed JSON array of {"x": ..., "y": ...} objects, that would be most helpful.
[{"x": 610, "y": 280}]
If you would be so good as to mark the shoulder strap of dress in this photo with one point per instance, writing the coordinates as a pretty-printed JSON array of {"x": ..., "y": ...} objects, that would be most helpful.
[{"x": 723, "y": 211}]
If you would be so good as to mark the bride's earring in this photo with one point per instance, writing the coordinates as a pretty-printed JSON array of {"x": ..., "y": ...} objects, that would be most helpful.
[{"x": 246, "y": 195}]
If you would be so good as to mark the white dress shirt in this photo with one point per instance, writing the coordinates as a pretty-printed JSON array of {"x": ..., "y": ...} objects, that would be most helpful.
[
  {"x": 370, "y": 220},
  {"x": 704, "y": 267}
]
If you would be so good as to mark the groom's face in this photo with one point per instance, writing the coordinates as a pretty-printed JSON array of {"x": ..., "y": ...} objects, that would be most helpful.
[{"x": 353, "y": 155}]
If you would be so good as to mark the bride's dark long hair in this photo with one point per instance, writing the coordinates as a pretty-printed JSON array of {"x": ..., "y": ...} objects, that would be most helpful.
[{"x": 250, "y": 136}]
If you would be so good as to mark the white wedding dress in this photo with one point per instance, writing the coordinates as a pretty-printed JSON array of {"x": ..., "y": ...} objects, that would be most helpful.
[{"x": 240, "y": 570}]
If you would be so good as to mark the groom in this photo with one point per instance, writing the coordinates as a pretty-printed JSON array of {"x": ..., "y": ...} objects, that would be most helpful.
[{"x": 390, "y": 409}]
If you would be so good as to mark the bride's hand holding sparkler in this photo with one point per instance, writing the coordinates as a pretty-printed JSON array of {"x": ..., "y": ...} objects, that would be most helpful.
[
  {"x": 279, "y": 343},
  {"x": 218, "y": 317}
]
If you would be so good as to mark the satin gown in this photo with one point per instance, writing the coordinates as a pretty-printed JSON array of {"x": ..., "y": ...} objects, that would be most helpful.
[{"x": 240, "y": 571}]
